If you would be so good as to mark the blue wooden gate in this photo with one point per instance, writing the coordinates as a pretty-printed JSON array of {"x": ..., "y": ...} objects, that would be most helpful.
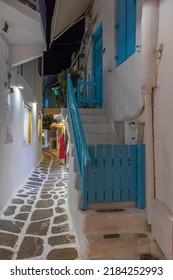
[
  {"x": 98, "y": 63},
  {"x": 116, "y": 173}
]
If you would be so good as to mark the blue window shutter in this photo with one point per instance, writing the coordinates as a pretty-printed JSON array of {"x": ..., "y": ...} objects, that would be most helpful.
[
  {"x": 131, "y": 27},
  {"x": 121, "y": 31}
]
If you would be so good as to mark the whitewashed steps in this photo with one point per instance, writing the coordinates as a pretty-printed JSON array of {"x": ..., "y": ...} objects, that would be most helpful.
[
  {"x": 127, "y": 232},
  {"x": 99, "y": 128},
  {"x": 99, "y": 139},
  {"x": 96, "y": 127},
  {"x": 93, "y": 119},
  {"x": 119, "y": 246},
  {"x": 117, "y": 220},
  {"x": 90, "y": 112}
]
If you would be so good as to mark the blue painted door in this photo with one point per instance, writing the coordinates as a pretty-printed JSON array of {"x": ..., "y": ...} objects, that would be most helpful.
[{"x": 98, "y": 63}]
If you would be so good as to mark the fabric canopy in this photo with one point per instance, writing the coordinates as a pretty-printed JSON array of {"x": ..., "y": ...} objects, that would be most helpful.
[{"x": 67, "y": 13}]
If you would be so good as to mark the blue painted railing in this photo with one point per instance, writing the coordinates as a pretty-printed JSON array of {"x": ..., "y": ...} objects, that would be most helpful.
[
  {"x": 82, "y": 152},
  {"x": 87, "y": 93}
]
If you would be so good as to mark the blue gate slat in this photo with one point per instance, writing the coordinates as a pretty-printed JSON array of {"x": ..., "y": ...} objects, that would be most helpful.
[
  {"x": 100, "y": 173},
  {"x": 117, "y": 173},
  {"x": 141, "y": 201},
  {"x": 132, "y": 172},
  {"x": 125, "y": 173},
  {"x": 91, "y": 177},
  {"x": 108, "y": 174}
]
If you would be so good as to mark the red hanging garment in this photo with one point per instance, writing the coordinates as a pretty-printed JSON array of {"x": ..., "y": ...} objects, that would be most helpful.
[{"x": 62, "y": 153}]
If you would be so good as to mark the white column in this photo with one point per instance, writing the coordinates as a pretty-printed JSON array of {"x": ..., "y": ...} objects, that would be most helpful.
[{"x": 149, "y": 32}]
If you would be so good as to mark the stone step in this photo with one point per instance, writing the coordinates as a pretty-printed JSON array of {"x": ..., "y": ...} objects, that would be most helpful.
[
  {"x": 93, "y": 119},
  {"x": 90, "y": 111},
  {"x": 129, "y": 219},
  {"x": 117, "y": 246},
  {"x": 99, "y": 128},
  {"x": 98, "y": 139}
]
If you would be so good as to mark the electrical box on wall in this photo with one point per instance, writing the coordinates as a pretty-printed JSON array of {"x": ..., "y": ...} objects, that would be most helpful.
[
  {"x": 133, "y": 132},
  {"x": 129, "y": 132}
]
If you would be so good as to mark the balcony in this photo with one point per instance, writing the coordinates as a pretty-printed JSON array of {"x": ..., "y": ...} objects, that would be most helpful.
[
  {"x": 39, "y": 6},
  {"x": 23, "y": 26},
  {"x": 34, "y": 4}
]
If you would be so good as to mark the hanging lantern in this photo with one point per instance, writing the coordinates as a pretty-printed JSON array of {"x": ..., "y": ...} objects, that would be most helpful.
[{"x": 81, "y": 62}]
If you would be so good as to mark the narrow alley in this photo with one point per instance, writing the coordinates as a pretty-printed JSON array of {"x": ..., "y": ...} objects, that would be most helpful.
[
  {"x": 36, "y": 224},
  {"x": 87, "y": 82}
]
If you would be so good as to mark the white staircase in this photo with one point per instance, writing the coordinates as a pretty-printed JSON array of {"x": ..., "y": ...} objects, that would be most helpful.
[
  {"x": 106, "y": 231},
  {"x": 96, "y": 128}
]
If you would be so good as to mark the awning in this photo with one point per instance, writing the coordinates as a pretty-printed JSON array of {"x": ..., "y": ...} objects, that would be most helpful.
[{"x": 67, "y": 13}]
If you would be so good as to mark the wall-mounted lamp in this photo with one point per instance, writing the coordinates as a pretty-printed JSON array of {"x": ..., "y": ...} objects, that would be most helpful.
[
  {"x": 81, "y": 62},
  {"x": 5, "y": 27},
  {"x": 35, "y": 102},
  {"x": 20, "y": 87},
  {"x": 11, "y": 90},
  {"x": 35, "y": 99}
]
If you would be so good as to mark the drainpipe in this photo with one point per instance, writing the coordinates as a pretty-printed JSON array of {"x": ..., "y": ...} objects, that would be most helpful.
[{"x": 149, "y": 32}]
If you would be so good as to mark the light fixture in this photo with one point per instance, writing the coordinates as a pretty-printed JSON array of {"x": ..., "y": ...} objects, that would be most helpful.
[
  {"x": 81, "y": 62},
  {"x": 35, "y": 99},
  {"x": 11, "y": 90},
  {"x": 20, "y": 82},
  {"x": 5, "y": 27},
  {"x": 20, "y": 87}
]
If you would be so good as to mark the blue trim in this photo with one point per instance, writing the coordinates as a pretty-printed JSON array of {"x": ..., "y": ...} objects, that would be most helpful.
[
  {"x": 121, "y": 31},
  {"x": 97, "y": 62},
  {"x": 141, "y": 200}
]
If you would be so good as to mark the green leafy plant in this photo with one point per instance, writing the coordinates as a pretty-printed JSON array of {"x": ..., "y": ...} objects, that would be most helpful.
[
  {"x": 62, "y": 80},
  {"x": 47, "y": 121}
]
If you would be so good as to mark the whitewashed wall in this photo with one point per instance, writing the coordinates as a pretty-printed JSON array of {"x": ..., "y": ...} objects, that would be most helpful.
[
  {"x": 164, "y": 108},
  {"x": 162, "y": 210},
  {"x": 122, "y": 98},
  {"x": 16, "y": 159},
  {"x": 122, "y": 85}
]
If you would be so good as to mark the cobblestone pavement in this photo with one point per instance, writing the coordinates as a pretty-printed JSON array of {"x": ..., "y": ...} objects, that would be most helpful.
[{"x": 36, "y": 223}]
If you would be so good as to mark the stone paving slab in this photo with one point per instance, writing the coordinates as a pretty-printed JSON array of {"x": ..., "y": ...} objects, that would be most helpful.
[{"x": 36, "y": 224}]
